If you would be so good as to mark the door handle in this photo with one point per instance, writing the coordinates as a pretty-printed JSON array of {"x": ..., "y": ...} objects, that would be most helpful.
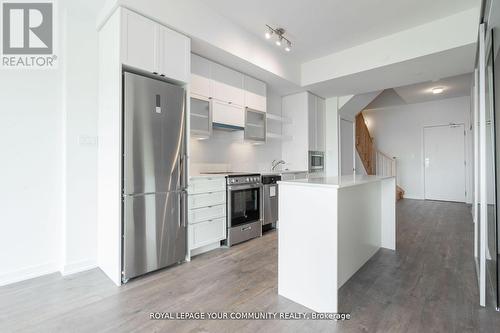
[{"x": 184, "y": 209}]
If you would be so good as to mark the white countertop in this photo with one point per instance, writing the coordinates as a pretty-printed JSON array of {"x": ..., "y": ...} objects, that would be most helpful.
[
  {"x": 282, "y": 172},
  {"x": 208, "y": 175},
  {"x": 336, "y": 182},
  {"x": 277, "y": 172}
]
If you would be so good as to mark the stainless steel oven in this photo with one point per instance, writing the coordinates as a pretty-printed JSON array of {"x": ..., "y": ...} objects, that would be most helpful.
[
  {"x": 316, "y": 161},
  {"x": 244, "y": 208}
]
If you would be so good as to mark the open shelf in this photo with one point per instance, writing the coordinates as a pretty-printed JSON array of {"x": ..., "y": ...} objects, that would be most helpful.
[
  {"x": 254, "y": 125},
  {"x": 281, "y": 119},
  {"x": 275, "y": 136}
]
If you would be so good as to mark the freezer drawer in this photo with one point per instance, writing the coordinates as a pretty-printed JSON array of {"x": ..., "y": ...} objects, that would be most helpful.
[{"x": 154, "y": 234}]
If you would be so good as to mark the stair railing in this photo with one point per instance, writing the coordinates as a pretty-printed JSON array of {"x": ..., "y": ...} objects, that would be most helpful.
[{"x": 385, "y": 164}]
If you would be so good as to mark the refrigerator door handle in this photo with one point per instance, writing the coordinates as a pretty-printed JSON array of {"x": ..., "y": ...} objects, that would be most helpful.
[
  {"x": 183, "y": 168},
  {"x": 183, "y": 208}
]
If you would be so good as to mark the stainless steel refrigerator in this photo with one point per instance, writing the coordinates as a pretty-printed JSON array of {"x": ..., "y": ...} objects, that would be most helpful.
[{"x": 154, "y": 175}]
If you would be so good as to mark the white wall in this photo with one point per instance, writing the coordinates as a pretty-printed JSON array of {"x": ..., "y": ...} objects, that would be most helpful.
[
  {"x": 80, "y": 88},
  {"x": 229, "y": 149},
  {"x": 398, "y": 131},
  {"x": 43, "y": 113},
  {"x": 31, "y": 132}
]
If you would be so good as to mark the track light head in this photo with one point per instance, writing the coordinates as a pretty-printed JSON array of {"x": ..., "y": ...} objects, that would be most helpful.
[
  {"x": 288, "y": 46},
  {"x": 269, "y": 33}
]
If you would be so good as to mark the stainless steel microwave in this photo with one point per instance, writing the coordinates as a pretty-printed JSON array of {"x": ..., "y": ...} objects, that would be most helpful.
[{"x": 316, "y": 161}]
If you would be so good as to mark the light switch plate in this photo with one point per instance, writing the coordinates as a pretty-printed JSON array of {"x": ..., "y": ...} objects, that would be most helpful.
[{"x": 87, "y": 140}]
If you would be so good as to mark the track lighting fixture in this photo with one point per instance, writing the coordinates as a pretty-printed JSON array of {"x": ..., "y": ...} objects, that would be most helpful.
[{"x": 280, "y": 38}]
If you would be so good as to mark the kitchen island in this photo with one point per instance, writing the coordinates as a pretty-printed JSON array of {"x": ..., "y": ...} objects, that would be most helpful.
[{"x": 329, "y": 228}]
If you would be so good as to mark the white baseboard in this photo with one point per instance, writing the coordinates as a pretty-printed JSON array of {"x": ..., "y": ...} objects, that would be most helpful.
[
  {"x": 412, "y": 196},
  {"x": 77, "y": 267},
  {"x": 205, "y": 248},
  {"x": 27, "y": 273}
]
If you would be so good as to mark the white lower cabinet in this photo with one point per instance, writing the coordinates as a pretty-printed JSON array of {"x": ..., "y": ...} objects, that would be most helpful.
[
  {"x": 207, "y": 185},
  {"x": 207, "y": 199},
  {"x": 204, "y": 233},
  {"x": 207, "y": 213}
]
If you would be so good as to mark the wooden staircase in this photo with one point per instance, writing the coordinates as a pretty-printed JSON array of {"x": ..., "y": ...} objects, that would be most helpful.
[
  {"x": 364, "y": 145},
  {"x": 374, "y": 161}
]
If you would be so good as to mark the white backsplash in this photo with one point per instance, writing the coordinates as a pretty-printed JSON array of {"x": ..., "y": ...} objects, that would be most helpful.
[{"x": 227, "y": 151}]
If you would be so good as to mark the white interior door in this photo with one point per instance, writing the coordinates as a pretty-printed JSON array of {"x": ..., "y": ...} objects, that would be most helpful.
[
  {"x": 346, "y": 147},
  {"x": 444, "y": 163}
]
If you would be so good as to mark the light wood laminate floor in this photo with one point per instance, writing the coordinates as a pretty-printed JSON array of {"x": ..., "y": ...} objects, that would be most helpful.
[{"x": 428, "y": 285}]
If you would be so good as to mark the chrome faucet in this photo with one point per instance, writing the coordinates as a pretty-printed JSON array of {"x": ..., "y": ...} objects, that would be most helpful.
[{"x": 275, "y": 163}]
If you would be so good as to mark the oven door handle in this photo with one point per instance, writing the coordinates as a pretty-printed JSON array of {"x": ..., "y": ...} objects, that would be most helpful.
[{"x": 243, "y": 187}]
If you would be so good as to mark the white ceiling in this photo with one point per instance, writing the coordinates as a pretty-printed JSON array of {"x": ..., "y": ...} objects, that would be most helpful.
[
  {"x": 456, "y": 86},
  {"x": 321, "y": 27}
]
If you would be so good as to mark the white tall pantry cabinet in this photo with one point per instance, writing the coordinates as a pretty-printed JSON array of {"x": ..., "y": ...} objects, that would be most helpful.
[
  {"x": 306, "y": 130},
  {"x": 127, "y": 39}
]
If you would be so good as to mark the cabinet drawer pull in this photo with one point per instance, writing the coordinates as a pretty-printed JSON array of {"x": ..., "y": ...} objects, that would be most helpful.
[{"x": 246, "y": 228}]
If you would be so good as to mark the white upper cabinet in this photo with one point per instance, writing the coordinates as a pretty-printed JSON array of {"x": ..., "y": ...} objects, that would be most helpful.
[
  {"x": 231, "y": 91},
  {"x": 311, "y": 111},
  {"x": 255, "y": 94},
  {"x": 227, "y": 85},
  {"x": 316, "y": 122},
  {"x": 228, "y": 114},
  {"x": 200, "y": 76},
  {"x": 174, "y": 55},
  {"x": 154, "y": 48},
  {"x": 139, "y": 41},
  {"x": 320, "y": 124},
  {"x": 295, "y": 149}
]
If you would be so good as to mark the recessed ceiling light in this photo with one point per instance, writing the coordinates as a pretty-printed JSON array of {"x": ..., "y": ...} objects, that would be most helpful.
[{"x": 437, "y": 90}]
